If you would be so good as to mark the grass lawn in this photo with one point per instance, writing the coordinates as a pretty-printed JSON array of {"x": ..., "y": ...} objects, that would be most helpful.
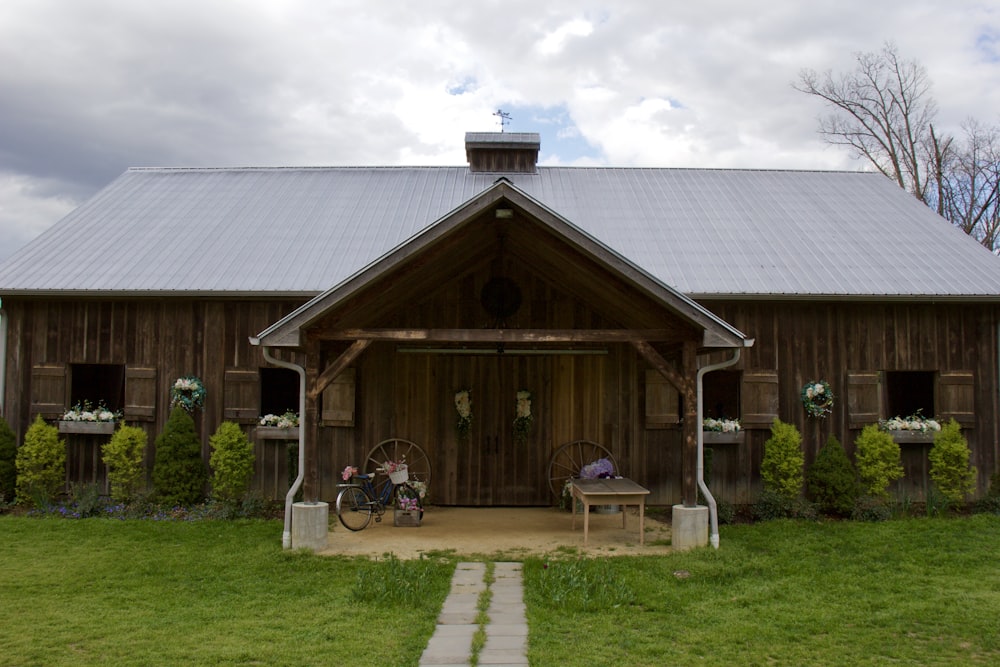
[
  {"x": 106, "y": 592},
  {"x": 910, "y": 592}
]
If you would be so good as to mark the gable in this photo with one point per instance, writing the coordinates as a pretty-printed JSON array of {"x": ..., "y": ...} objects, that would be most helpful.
[{"x": 504, "y": 227}]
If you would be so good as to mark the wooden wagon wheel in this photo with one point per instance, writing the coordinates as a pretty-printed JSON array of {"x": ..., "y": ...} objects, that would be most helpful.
[
  {"x": 399, "y": 450},
  {"x": 567, "y": 461}
]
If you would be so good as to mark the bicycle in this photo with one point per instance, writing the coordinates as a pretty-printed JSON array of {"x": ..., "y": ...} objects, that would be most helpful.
[{"x": 359, "y": 501}]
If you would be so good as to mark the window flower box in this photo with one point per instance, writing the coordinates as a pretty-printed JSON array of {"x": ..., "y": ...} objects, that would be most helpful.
[
  {"x": 723, "y": 438},
  {"x": 87, "y": 427},
  {"x": 277, "y": 433},
  {"x": 913, "y": 437}
]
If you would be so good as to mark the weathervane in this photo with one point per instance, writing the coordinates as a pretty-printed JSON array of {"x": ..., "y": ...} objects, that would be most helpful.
[{"x": 504, "y": 118}]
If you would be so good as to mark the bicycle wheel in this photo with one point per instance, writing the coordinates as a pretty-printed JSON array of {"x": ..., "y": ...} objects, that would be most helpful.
[
  {"x": 354, "y": 507},
  {"x": 409, "y": 496}
]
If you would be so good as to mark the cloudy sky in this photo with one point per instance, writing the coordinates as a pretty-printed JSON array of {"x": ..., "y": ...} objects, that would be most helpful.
[{"x": 89, "y": 88}]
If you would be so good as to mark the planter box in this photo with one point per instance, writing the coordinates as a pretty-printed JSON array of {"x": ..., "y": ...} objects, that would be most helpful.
[
  {"x": 913, "y": 437},
  {"x": 87, "y": 428},
  {"x": 275, "y": 433},
  {"x": 719, "y": 438},
  {"x": 406, "y": 518}
]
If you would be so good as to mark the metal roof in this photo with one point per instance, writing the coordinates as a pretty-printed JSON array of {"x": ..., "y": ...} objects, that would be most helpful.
[{"x": 706, "y": 233}]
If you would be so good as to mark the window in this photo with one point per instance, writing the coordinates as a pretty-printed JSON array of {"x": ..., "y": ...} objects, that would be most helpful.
[
  {"x": 721, "y": 395},
  {"x": 98, "y": 384},
  {"x": 279, "y": 391},
  {"x": 909, "y": 392}
]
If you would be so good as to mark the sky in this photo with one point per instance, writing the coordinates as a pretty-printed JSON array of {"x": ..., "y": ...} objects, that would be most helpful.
[{"x": 89, "y": 88}]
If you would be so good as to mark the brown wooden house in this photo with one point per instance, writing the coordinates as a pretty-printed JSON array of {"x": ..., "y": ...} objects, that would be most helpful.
[{"x": 600, "y": 291}]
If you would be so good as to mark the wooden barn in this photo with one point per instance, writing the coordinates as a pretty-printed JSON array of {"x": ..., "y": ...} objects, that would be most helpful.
[{"x": 620, "y": 300}]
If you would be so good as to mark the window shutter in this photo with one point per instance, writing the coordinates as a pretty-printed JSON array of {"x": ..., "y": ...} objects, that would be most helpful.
[
  {"x": 760, "y": 399},
  {"x": 242, "y": 396},
  {"x": 48, "y": 390},
  {"x": 864, "y": 398},
  {"x": 662, "y": 401},
  {"x": 956, "y": 397},
  {"x": 338, "y": 400},
  {"x": 140, "y": 393}
]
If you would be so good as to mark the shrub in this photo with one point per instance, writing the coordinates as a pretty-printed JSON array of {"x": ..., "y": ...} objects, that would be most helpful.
[
  {"x": 8, "y": 465},
  {"x": 871, "y": 508},
  {"x": 878, "y": 461},
  {"x": 41, "y": 463},
  {"x": 781, "y": 469},
  {"x": 950, "y": 469},
  {"x": 123, "y": 456},
  {"x": 772, "y": 505},
  {"x": 832, "y": 482},
  {"x": 232, "y": 462},
  {"x": 178, "y": 472}
]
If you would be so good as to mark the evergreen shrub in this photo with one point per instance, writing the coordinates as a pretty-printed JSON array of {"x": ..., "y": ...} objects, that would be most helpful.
[
  {"x": 949, "y": 458},
  {"x": 232, "y": 462},
  {"x": 877, "y": 459},
  {"x": 41, "y": 464},
  {"x": 8, "y": 462},
  {"x": 123, "y": 456},
  {"x": 178, "y": 471},
  {"x": 781, "y": 469},
  {"x": 831, "y": 481}
]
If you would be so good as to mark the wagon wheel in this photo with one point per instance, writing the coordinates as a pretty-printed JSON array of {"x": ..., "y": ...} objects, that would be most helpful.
[
  {"x": 397, "y": 449},
  {"x": 567, "y": 461}
]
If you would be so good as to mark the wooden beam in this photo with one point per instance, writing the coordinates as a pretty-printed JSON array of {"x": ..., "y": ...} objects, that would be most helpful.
[
  {"x": 654, "y": 358},
  {"x": 499, "y": 335},
  {"x": 336, "y": 368}
]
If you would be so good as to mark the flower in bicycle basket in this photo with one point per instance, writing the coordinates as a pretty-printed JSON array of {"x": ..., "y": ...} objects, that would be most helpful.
[
  {"x": 394, "y": 466},
  {"x": 348, "y": 473}
]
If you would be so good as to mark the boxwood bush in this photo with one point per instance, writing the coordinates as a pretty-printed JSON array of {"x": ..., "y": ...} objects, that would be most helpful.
[
  {"x": 878, "y": 461},
  {"x": 178, "y": 471},
  {"x": 950, "y": 470},
  {"x": 8, "y": 465},
  {"x": 832, "y": 482},
  {"x": 41, "y": 464},
  {"x": 123, "y": 455},
  {"x": 232, "y": 462}
]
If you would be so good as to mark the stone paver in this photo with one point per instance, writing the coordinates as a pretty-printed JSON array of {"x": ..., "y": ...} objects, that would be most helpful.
[{"x": 506, "y": 631}]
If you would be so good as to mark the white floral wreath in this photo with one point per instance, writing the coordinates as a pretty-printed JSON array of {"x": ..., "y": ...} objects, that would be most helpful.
[{"x": 817, "y": 398}]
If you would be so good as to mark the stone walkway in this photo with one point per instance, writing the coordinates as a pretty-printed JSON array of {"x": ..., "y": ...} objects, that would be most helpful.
[{"x": 506, "y": 631}]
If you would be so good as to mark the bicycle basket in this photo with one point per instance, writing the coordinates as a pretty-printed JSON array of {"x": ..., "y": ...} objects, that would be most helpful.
[{"x": 400, "y": 475}]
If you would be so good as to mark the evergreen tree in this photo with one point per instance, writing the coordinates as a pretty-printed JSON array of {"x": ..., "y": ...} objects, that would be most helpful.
[{"x": 178, "y": 471}]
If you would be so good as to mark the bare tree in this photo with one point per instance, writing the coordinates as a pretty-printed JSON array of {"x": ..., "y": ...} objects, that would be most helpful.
[{"x": 883, "y": 112}]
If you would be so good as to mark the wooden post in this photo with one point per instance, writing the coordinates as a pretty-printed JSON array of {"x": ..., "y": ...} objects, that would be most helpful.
[
  {"x": 689, "y": 454},
  {"x": 310, "y": 485}
]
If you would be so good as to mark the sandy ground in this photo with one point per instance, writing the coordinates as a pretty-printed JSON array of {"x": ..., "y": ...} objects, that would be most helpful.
[{"x": 502, "y": 533}]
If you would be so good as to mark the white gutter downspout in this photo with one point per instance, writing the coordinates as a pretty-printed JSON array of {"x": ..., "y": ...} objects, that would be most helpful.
[
  {"x": 3, "y": 360},
  {"x": 713, "y": 509},
  {"x": 286, "y": 536}
]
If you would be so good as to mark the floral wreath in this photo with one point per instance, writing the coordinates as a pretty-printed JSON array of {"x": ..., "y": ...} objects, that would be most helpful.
[
  {"x": 187, "y": 392},
  {"x": 523, "y": 418},
  {"x": 463, "y": 406},
  {"x": 817, "y": 398}
]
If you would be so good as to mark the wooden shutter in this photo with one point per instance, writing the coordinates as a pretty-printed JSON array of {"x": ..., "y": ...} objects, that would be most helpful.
[
  {"x": 663, "y": 405},
  {"x": 338, "y": 400},
  {"x": 956, "y": 398},
  {"x": 49, "y": 390},
  {"x": 242, "y": 396},
  {"x": 760, "y": 399},
  {"x": 140, "y": 393},
  {"x": 864, "y": 398}
]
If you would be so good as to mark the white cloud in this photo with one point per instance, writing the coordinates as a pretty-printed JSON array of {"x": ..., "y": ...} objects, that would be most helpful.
[{"x": 92, "y": 87}]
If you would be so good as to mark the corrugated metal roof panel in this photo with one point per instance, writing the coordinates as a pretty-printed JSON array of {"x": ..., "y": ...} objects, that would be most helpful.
[{"x": 703, "y": 232}]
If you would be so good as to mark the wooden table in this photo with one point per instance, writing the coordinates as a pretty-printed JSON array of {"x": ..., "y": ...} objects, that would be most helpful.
[{"x": 609, "y": 492}]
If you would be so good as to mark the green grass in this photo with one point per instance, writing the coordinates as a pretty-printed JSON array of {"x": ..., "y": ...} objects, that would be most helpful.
[
  {"x": 911, "y": 592},
  {"x": 106, "y": 592}
]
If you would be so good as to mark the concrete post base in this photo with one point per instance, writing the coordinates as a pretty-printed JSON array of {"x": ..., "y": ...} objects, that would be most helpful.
[
  {"x": 689, "y": 527},
  {"x": 310, "y": 525}
]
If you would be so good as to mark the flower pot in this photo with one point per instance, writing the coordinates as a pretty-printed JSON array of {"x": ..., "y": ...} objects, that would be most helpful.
[
  {"x": 406, "y": 518},
  {"x": 87, "y": 428}
]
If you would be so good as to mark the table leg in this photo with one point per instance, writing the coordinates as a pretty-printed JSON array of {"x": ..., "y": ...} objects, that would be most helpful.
[
  {"x": 586, "y": 521},
  {"x": 642, "y": 521}
]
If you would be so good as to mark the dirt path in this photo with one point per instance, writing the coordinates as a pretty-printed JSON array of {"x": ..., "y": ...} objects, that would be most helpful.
[{"x": 505, "y": 533}]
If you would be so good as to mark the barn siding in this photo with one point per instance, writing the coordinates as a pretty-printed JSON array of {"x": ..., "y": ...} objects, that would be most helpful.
[{"x": 600, "y": 398}]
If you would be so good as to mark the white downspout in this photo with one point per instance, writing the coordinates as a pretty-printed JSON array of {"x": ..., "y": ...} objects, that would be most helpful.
[
  {"x": 3, "y": 360},
  {"x": 713, "y": 509},
  {"x": 286, "y": 536}
]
